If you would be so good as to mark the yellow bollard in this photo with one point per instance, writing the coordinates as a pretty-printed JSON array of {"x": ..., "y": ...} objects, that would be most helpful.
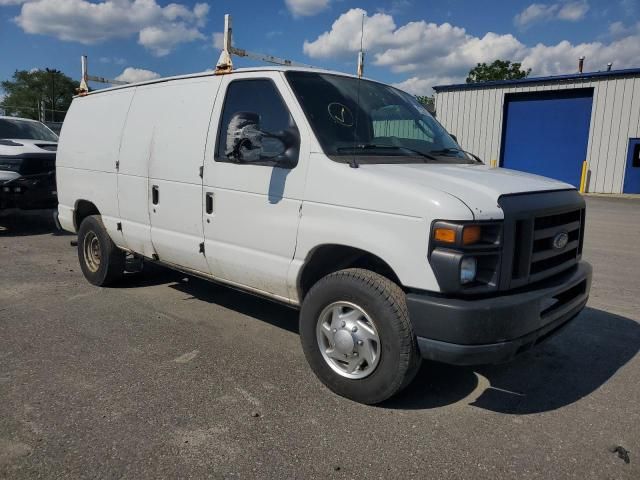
[
  {"x": 583, "y": 177},
  {"x": 494, "y": 163}
]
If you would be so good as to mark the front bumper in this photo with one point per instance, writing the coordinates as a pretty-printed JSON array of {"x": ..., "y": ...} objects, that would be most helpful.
[
  {"x": 496, "y": 329},
  {"x": 31, "y": 199}
]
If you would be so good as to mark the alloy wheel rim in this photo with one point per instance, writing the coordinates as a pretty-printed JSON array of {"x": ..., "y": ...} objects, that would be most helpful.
[{"x": 348, "y": 340}]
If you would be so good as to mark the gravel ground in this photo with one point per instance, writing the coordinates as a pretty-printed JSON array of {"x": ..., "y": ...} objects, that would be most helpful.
[{"x": 168, "y": 376}]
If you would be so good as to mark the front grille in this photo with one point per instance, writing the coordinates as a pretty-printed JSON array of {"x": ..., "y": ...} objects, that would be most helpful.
[
  {"x": 535, "y": 256},
  {"x": 547, "y": 259},
  {"x": 531, "y": 224}
]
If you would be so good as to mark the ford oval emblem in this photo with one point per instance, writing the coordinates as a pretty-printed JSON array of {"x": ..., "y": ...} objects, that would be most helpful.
[{"x": 560, "y": 240}]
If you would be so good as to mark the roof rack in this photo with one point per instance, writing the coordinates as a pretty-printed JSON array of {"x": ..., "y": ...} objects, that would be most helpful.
[
  {"x": 225, "y": 64},
  {"x": 83, "y": 89}
]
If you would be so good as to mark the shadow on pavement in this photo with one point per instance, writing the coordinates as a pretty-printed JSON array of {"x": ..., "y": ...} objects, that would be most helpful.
[
  {"x": 559, "y": 372},
  {"x": 583, "y": 357},
  {"x": 259, "y": 308},
  {"x": 151, "y": 274},
  {"x": 18, "y": 223}
]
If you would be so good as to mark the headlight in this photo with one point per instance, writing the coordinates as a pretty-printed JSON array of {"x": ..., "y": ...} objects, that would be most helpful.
[
  {"x": 465, "y": 256},
  {"x": 468, "y": 269},
  {"x": 460, "y": 234}
]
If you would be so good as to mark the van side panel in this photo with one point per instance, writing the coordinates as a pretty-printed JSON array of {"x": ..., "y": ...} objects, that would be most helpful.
[
  {"x": 87, "y": 155},
  {"x": 133, "y": 181},
  {"x": 176, "y": 157}
]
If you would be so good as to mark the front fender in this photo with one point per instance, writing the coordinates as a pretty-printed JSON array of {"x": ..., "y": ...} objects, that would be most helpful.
[{"x": 400, "y": 240}]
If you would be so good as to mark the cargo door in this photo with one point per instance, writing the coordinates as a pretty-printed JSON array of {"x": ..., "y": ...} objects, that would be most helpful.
[{"x": 175, "y": 166}]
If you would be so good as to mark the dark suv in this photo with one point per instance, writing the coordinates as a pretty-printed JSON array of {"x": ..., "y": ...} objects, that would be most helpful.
[{"x": 27, "y": 164}]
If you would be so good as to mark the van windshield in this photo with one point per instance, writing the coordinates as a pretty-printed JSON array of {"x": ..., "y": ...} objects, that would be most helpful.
[
  {"x": 375, "y": 122},
  {"x": 25, "y": 130}
]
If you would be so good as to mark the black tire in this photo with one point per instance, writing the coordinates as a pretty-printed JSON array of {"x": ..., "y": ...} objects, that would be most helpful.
[
  {"x": 385, "y": 303},
  {"x": 110, "y": 267}
]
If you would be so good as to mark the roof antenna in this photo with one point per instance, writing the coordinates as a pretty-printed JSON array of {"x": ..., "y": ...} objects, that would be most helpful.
[
  {"x": 580, "y": 64},
  {"x": 361, "y": 52},
  {"x": 353, "y": 163},
  {"x": 609, "y": 65}
]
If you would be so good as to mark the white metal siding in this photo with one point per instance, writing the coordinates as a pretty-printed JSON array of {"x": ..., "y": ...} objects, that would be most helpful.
[{"x": 475, "y": 117}]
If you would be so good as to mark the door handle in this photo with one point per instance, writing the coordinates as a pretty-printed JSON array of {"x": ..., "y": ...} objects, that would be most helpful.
[
  {"x": 209, "y": 202},
  {"x": 155, "y": 194}
]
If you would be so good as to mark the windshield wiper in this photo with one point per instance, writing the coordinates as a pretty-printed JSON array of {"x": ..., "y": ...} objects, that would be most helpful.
[
  {"x": 374, "y": 146},
  {"x": 446, "y": 151}
]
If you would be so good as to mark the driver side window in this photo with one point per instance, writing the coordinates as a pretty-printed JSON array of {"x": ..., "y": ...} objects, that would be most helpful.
[{"x": 255, "y": 125}]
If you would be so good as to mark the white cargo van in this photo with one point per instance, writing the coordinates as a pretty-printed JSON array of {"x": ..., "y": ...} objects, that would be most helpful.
[{"x": 341, "y": 196}]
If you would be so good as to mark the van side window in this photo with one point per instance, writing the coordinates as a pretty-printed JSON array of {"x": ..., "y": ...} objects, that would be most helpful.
[{"x": 256, "y": 126}]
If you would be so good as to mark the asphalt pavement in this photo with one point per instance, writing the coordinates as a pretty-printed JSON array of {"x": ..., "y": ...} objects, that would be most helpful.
[{"x": 166, "y": 376}]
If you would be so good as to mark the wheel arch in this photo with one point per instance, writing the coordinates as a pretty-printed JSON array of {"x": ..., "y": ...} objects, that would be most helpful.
[
  {"x": 82, "y": 209},
  {"x": 328, "y": 258}
]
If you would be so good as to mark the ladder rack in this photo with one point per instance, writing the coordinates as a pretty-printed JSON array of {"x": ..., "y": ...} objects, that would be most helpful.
[
  {"x": 85, "y": 78},
  {"x": 225, "y": 64}
]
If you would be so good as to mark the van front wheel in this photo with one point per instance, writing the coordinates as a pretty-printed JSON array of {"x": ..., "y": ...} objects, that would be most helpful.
[
  {"x": 102, "y": 263},
  {"x": 357, "y": 337}
]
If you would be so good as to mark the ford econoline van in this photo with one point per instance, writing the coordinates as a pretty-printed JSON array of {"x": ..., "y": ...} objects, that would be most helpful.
[{"x": 340, "y": 196}]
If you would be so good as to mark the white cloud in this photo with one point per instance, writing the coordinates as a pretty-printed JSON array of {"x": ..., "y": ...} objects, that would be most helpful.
[
  {"x": 344, "y": 36},
  {"x": 133, "y": 75},
  {"x": 306, "y": 8},
  {"x": 89, "y": 23},
  {"x": 538, "y": 12},
  {"x": 534, "y": 13},
  {"x": 432, "y": 54},
  {"x": 563, "y": 57},
  {"x": 573, "y": 11},
  {"x": 4, "y": 3},
  {"x": 162, "y": 40},
  {"x": 619, "y": 29},
  {"x": 218, "y": 40}
]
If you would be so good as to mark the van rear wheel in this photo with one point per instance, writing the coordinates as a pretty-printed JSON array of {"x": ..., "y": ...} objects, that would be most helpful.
[
  {"x": 102, "y": 263},
  {"x": 357, "y": 337}
]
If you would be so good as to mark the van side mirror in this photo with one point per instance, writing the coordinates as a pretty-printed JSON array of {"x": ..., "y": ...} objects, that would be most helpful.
[{"x": 247, "y": 143}]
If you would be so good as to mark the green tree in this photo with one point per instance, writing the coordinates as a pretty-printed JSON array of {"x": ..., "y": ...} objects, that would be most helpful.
[
  {"x": 427, "y": 102},
  {"x": 498, "y": 70},
  {"x": 27, "y": 90}
]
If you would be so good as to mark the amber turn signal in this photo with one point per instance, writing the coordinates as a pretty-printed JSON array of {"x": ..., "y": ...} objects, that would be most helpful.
[
  {"x": 444, "y": 235},
  {"x": 471, "y": 234}
]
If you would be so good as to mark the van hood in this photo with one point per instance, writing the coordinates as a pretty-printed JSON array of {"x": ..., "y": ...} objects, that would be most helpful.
[
  {"x": 18, "y": 146},
  {"x": 477, "y": 186},
  {"x": 5, "y": 176}
]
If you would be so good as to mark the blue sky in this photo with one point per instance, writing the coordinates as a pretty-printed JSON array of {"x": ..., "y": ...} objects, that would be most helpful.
[{"x": 414, "y": 44}]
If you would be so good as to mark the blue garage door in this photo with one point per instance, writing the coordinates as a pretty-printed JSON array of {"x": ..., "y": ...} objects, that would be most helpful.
[
  {"x": 547, "y": 132},
  {"x": 632, "y": 174}
]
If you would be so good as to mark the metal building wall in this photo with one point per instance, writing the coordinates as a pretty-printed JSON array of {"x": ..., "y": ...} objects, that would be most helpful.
[{"x": 475, "y": 117}]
